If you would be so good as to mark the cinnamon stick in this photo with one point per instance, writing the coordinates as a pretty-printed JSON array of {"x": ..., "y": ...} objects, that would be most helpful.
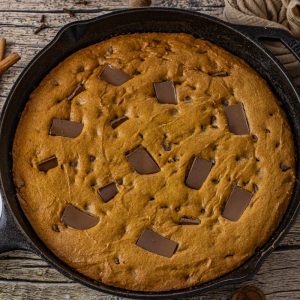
[
  {"x": 2, "y": 48},
  {"x": 8, "y": 61}
]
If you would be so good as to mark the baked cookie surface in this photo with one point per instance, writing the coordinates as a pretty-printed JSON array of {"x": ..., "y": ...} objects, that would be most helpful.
[{"x": 153, "y": 138}]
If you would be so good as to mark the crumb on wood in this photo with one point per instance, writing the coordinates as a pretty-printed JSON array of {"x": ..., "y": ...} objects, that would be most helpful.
[
  {"x": 139, "y": 3},
  {"x": 82, "y": 2},
  {"x": 43, "y": 19},
  {"x": 40, "y": 28},
  {"x": 70, "y": 12}
]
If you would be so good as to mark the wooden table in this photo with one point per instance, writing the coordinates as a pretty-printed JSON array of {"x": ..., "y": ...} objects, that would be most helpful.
[{"x": 24, "y": 275}]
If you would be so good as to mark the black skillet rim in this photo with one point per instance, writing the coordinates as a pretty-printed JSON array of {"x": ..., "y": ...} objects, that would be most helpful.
[{"x": 240, "y": 274}]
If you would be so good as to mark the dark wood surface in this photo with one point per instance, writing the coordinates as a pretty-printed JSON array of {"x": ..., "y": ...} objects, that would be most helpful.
[{"x": 24, "y": 275}]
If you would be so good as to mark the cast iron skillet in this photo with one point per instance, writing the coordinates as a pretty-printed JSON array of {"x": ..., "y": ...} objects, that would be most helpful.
[{"x": 16, "y": 232}]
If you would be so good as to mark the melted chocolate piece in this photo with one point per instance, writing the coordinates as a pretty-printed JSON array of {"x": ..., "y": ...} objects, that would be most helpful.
[
  {"x": 119, "y": 181},
  {"x": 78, "y": 89},
  {"x": 166, "y": 147},
  {"x": 173, "y": 111},
  {"x": 114, "y": 76},
  {"x": 78, "y": 219},
  {"x": 188, "y": 221},
  {"x": 154, "y": 242},
  {"x": 218, "y": 74},
  {"x": 73, "y": 163},
  {"x": 284, "y": 167},
  {"x": 108, "y": 192},
  {"x": 142, "y": 161},
  {"x": 165, "y": 92},
  {"x": 237, "y": 202},
  {"x": 118, "y": 121},
  {"x": 65, "y": 128},
  {"x": 92, "y": 158},
  {"x": 55, "y": 228},
  {"x": 237, "y": 120},
  {"x": 198, "y": 172},
  {"x": 48, "y": 164}
]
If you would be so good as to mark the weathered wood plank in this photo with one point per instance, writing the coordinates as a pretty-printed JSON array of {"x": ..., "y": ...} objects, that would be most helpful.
[
  {"x": 279, "y": 278},
  {"x": 25, "y": 19},
  {"x": 293, "y": 235},
  {"x": 22, "y": 20},
  {"x": 27, "y": 267},
  {"x": 54, "y": 20},
  {"x": 19, "y": 27},
  {"x": 19, "y": 254},
  {"x": 54, "y": 5}
]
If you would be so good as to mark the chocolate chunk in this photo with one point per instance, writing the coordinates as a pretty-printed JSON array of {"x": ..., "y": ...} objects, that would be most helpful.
[
  {"x": 114, "y": 76},
  {"x": 154, "y": 242},
  {"x": 92, "y": 158},
  {"x": 237, "y": 120},
  {"x": 187, "y": 99},
  {"x": 255, "y": 187},
  {"x": 109, "y": 51},
  {"x": 118, "y": 121},
  {"x": 198, "y": 172},
  {"x": 254, "y": 138},
  {"x": 165, "y": 92},
  {"x": 73, "y": 163},
  {"x": 284, "y": 167},
  {"x": 212, "y": 119},
  {"x": 65, "y": 128},
  {"x": 142, "y": 161},
  {"x": 78, "y": 219},
  {"x": 173, "y": 111},
  {"x": 237, "y": 202},
  {"x": 166, "y": 147},
  {"x": 225, "y": 102},
  {"x": 48, "y": 164},
  {"x": 108, "y": 192},
  {"x": 119, "y": 181},
  {"x": 78, "y": 89},
  {"x": 188, "y": 221},
  {"x": 55, "y": 228},
  {"x": 218, "y": 74},
  {"x": 116, "y": 260}
]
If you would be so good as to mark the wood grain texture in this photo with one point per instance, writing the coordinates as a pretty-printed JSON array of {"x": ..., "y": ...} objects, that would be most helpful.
[
  {"x": 24, "y": 275},
  {"x": 58, "y": 5}
]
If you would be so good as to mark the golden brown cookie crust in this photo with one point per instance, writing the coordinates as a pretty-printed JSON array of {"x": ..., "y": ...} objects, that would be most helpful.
[{"x": 195, "y": 126}]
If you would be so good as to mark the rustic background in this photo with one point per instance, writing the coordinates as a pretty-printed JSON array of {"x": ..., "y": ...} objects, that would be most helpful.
[{"x": 24, "y": 275}]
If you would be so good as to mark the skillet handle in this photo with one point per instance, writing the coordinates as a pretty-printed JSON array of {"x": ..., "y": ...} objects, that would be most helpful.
[
  {"x": 11, "y": 237},
  {"x": 256, "y": 33}
]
